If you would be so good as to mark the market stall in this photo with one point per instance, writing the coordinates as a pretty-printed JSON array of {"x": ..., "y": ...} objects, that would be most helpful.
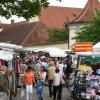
[
  {"x": 96, "y": 49},
  {"x": 10, "y": 46},
  {"x": 4, "y": 87},
  {"x": 54, "y": 52},
  {"x": 7, "y": 52}
]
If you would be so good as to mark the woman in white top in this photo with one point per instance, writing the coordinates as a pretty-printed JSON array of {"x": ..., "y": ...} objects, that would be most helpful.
[
  {"x": 43, "y": 73},
  {"x": 56, "y": 84}
]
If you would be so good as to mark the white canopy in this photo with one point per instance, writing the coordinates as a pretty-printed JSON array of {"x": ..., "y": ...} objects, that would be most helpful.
[
  {"x": 54, "y": 52},
  {"x": 84, "y": 53},
  {"x": 10, "y": 46},
  {"x": 97, "y": 45},
  {"x": 7, "y": 50},
  {"x": 5, "y": 55},
  {"x": 96, "y": 48},
  {"x": 68, "y": 50},
  {"x": 57, "y": 54}
]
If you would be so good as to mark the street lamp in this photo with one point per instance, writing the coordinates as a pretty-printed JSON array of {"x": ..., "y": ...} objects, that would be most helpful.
[{"x": 67, "y": 28}]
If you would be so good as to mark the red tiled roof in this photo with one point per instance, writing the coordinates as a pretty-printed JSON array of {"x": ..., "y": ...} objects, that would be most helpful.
[
  {"x": 54, "y": 17},
  {"x": 7, "y": 26},
  {"x": 27, "y": 34},
  {"x": 22, "y": 22},
  {"x": 88, "y": 12}
]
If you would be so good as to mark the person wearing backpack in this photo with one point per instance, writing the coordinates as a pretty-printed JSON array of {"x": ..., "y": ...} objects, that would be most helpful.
[{"x": 39, "y": 88}]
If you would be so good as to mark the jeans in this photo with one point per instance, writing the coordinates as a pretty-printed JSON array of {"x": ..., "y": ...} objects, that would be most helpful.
[
  {"x": 57, "y": 91},
  {"x": 50, "y": 82},
  {"x": 40, "y": 96}
]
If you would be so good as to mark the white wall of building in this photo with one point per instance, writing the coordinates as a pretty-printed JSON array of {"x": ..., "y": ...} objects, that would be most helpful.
[
  {"x": 73, "y": 29},
  {"x": 58, "y": 45}
]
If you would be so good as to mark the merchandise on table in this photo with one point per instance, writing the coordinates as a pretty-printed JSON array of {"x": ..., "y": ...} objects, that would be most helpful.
[{"x": 86, "y": 88}]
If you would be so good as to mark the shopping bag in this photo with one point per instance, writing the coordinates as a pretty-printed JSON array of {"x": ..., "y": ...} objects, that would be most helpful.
[{"x": 22, "y": 92}]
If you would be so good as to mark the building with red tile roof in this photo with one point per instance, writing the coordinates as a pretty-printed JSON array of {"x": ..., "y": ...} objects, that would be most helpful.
[
  {"x": 55, "y": 17},
  {"x": 85, "y": 16},
  {"x": 26, "y": 34},
  {"x": 35, "y": 33},
  {"x": 87, "y": 13}
]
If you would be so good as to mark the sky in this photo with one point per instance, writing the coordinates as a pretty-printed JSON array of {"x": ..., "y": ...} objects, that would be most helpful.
[
  {"x": 69, "y": 3},
  {"x": 64, "y": 3}
]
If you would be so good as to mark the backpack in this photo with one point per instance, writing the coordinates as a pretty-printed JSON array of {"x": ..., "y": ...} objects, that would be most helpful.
[{"x": 39, "y": 87}]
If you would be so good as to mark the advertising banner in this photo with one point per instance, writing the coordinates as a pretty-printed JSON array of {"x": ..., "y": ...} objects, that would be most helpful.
[{"x": 83, "y": 47}]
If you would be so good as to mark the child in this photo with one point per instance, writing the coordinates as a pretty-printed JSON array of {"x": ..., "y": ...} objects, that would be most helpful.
[
  {"x": 39, "y": 88},
  {"x": 28, "y": 81}
]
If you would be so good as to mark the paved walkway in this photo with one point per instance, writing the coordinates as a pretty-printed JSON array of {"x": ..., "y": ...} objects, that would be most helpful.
[{"x": 65, "y": 95}]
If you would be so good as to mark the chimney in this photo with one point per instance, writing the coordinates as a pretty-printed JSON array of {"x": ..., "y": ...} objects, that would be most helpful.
[{"x": 12, "y": 21}]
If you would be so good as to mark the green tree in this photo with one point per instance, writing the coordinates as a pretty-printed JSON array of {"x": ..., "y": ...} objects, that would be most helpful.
[
  {"x": 90, "y": 32},
  {"x": 21, "y": 8},
  {"x": 58, "y": 35}
]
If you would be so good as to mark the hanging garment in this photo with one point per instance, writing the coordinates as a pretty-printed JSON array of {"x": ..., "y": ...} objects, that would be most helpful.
[
  {"x": 16, "y": 65},
  {"x": 13, "y": 84}
]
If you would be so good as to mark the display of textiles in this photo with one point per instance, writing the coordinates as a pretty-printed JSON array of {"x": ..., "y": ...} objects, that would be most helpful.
[
  {"x": 13, "y": 84},
  {"x": 4, "y": 82},
  {"x": 16, "y": 64},
  {"x": 85, "y": 87}
]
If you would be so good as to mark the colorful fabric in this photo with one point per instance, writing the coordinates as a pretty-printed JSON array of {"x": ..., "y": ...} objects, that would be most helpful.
[
  {"x": 83, "y": 68},
  {"x": 88, "y": 77},
  {"x": 13, "y": 84},
  {"x": 16, "y": 62}
]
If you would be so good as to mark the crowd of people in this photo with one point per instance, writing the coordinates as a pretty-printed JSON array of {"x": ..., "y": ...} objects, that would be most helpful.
[
  {"x": 44, "y": 71},
  {"x": 28, "y": 70},
  {"x": 35, "y": 70}
]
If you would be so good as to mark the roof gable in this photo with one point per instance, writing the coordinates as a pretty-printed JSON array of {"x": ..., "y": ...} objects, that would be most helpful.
[
  {"x": 22, "y": 32},
  {"x": 38, "y": 35},
  {"x": 88, "y": 12}
]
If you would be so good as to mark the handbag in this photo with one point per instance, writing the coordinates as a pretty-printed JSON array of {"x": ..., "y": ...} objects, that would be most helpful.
[
  {"x": 22, "y": 92},
  {"x": 62, "y": 81}
]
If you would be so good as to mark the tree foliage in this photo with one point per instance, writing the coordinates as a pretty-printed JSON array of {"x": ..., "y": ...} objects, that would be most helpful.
[
  {"x": 21, "y": 8},
  {"x": 90, "y": 32},
  {"x": 58, "y": 35}
]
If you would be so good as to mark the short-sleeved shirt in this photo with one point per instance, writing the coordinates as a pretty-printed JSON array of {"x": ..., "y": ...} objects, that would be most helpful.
[
  {"x": 51, "y": 71},
  {"x": 56, "y": 79},
  {"x": 28, "y": 77}
]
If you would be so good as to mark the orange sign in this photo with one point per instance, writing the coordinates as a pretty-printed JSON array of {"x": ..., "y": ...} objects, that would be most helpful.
[{"x": 83, "y": 47}]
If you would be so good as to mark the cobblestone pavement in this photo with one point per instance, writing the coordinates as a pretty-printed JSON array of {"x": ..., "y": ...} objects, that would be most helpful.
[{"x": 65, "y": 95}]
